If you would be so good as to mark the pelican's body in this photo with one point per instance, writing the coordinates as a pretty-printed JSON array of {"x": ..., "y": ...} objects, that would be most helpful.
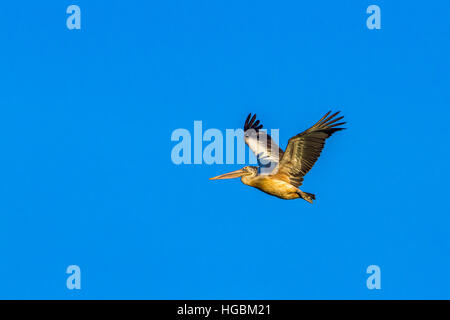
[
  {"x": 274, "y": 187},
  {"x": 281, "y": 172}
]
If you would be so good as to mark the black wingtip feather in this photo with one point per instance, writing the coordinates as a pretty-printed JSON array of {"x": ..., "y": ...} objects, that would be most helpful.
[{"x": 252, "y": 123}]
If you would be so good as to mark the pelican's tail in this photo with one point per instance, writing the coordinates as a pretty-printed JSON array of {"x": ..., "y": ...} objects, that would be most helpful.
[{"x": 307, "y": 196}]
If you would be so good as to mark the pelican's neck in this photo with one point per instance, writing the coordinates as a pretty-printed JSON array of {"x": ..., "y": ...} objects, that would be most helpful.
[{"x": 248, "y": 180}]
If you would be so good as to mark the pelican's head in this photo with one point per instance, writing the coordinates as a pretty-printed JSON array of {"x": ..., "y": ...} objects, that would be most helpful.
[{"x": 247, "y": 171}]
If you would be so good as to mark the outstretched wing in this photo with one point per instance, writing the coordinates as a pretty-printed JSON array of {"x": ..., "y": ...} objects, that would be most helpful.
[
  {"x": 304, "y": 149},
  {"x": 267, "y": 152}
]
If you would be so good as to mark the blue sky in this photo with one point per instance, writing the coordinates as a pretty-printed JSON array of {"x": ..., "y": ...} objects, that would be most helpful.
[{"x": 87, "y": 179}]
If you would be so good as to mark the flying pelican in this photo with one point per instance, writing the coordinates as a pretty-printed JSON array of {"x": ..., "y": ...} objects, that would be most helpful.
[{"x": 281, "y": 173}]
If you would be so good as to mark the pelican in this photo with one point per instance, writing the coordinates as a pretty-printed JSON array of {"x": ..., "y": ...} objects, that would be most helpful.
[{"x": 280, "y": 173}]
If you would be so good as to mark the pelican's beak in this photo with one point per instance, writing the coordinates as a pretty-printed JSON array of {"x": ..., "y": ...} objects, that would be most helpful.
[{"x": 230, "y": 175}]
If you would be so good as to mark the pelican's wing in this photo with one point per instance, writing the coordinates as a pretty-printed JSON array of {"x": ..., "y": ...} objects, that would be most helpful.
[
  {"x": 267, "y": 152},
  {"x": 304, "y": 149}
]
